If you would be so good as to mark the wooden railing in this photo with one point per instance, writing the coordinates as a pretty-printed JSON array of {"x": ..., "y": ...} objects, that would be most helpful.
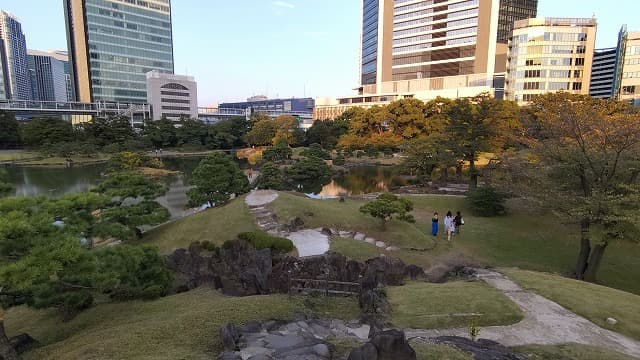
[{"x": 324, "y": 287}]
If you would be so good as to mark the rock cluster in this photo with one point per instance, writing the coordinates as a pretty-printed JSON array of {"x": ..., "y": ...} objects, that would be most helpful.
[
  {"x": 482, "y": 349},
  {"x": 298, "y": 340},
  {"x": 239, "y": 270},
  {"x": 385, "y": 345},
  {"x": 358, "y": 236}
]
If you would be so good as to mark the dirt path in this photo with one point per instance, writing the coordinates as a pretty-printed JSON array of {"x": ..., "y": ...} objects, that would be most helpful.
[{"x": 545, "y": 322}]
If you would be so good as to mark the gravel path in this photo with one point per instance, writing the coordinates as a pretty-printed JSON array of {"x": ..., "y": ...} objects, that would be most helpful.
[
  {"x": 308, "y": 242},
  {"x": 545, "y": 322}
]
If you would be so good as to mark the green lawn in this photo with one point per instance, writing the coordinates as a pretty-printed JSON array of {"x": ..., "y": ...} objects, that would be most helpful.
[
  {"x": 17, "y": 155},
  {"x": 346, "y": 216},
  {"x": 569, "y": 352},
  {"x": 592, "y": 301},
  {"x": 216, "y": 225},
  {"x": 343, "y": 348},
  {"x": 440, "y": 352},
  {"x": 423, "y": 305},
  {"x": 529, "y": 240},
  {"x": 523, "y": 238},
  {"x": 183, "y": 326}
]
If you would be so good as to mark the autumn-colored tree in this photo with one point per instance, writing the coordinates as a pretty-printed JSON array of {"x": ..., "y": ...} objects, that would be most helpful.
[
  {"x": 262, "y": 132},
  {"x": 286, "y": 126},
  {"x": 407, "y": 118},
  {"x": 583, "y": 163}
]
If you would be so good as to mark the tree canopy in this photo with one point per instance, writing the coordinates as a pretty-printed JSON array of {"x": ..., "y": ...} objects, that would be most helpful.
[
  {"x": 386, "y": 206},
  {"x": 582, "y": 162},
  {"x": 216, "y": 178}
]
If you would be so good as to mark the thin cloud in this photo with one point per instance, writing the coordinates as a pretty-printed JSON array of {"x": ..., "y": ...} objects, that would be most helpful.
[{"x": 284, "y": 4}]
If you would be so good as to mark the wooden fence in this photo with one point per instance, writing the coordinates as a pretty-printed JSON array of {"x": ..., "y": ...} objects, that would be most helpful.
[{"x": 324, "y": 287}]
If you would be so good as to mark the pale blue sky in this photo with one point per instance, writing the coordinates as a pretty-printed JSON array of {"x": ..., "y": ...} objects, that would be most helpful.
[{"x": 240, "y": 48}]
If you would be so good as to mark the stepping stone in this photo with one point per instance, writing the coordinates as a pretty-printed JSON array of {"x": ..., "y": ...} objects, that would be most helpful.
[
  {"x": 392, "y": 248},
  {"x": 359, "y": 236},
  {"x": 345, "y": 234},
  {"x": 371, "y": 241},
  {"x": 381, "y": 244}
]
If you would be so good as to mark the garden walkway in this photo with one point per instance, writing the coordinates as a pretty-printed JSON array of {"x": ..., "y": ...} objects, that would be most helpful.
[
  {"x": 308, "y": 242},
  {"x": 545, "y": 322}
]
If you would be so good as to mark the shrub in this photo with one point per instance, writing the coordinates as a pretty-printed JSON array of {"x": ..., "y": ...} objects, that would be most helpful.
[
  {"x": 209, "y": 246},
  {"x": 486, "y": 201},
  {"x": 261, "y": 240},
  {"x": 339, "y": 159},
  {"x": 315, "y": 150},
  {"x": 152, "y": 292}
]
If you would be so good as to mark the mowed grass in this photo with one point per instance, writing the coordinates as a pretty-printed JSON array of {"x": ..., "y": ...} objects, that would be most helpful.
[
  {"x": 440, "y": 352},
  {"x": 216, "y": 225},
  {"x": 422, "y": 305},
  {"x": 362, "y": 251},
  {"x": 527, "y": 239},
  {"x": 183, "y": 326},
  {"x": 569, "y": 352},
  {"x": 346, "y": 216},
  {"x": 591, "y": 301}
]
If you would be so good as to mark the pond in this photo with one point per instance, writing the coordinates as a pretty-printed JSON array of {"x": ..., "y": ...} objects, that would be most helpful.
[
  {"x": 49, "y": 181},
  {"x": 362, "y": 180},
  {"x": 34, "y": 181}
]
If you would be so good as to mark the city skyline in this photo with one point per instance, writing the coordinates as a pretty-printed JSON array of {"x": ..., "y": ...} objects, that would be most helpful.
[{"x": 277, "y": 48}]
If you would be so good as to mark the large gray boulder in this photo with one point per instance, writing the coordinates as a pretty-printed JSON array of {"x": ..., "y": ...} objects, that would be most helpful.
[
  {"x": 229, "y": 337},
  {"x": 385, "y": 345}
]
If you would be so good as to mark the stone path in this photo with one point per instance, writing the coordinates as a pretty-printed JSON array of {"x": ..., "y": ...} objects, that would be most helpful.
[
  {"x": 308, "y": 242},
  {"x": 545, "y": 322},
  {"x": 303, "y": 339}
]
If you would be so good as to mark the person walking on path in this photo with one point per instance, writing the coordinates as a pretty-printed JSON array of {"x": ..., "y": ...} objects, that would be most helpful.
[
  {"x": 449, "y": 225},
  {"x": 434, "y": 224},
  {"x": 458, "y": 221}
]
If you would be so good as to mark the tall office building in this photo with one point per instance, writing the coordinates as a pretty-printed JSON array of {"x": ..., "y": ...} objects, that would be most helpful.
[
  {"x": 512, "y": 11},
  {"x": 49, "y": 75},
  {"x": 13, "y": 58},
  {"x": 603, "y": 72},
  {"x": 409, "y": 39},
  {"x": 550, "y": 54},
  {"x": 627, "y": 82},
  {"x": 113, "y": 44}
]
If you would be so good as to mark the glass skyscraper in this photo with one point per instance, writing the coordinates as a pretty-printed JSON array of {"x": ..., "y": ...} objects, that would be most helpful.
[
  {"x": 411, "y": 39},
  {"x": 114, "y": 43},
  {"x": 14, "y": 75},
  {"x": 49, "y": 72}
]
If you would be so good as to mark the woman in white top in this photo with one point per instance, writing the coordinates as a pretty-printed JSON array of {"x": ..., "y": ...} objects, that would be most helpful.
[{"x": 449, "y": 225}]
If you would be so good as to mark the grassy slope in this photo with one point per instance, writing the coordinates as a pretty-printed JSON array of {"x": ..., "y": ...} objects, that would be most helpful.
[
  {"x": 345, "y": 216},
  {"x": 532, "y": 241},
  {"x": 216, "y": 225},
  {"x": 183, "y": 326},
  {"x": 520, "y": 239},
  {"x": 428, "y": 306},
  {"x": 594, "y": 302},
  {"x": 569, "y": 352}
]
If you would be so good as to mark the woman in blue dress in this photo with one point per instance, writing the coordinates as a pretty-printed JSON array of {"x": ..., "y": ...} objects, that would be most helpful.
[{"x": 434, "y": 224}]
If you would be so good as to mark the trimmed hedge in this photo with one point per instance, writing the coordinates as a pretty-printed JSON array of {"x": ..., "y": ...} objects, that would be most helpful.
[{"x": 261, "y": 240}]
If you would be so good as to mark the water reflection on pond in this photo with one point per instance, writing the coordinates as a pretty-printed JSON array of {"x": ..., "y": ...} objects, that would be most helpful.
[
  {"x": 362, "y": 180},
  {"x": 34, "y": 181}
]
